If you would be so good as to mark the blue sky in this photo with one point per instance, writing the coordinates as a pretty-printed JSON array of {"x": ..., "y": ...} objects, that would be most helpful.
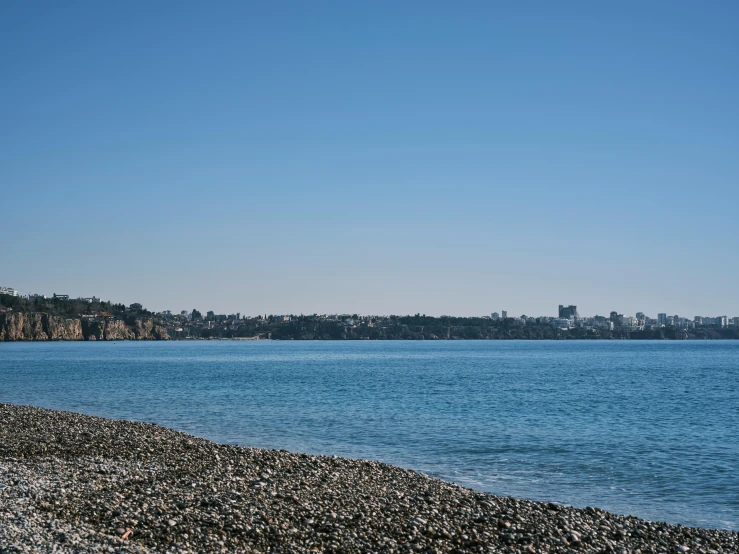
[{"x": 378, "y": 157}]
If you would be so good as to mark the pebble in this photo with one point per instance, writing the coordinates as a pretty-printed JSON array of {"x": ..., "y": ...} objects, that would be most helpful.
[{"x": 74, "y": 483}]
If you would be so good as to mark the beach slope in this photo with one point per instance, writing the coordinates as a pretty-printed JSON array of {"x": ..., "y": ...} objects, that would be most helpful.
[{"x": 75, "y": 483}]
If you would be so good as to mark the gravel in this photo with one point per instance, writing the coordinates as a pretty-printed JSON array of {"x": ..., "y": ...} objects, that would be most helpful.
[{"x": 75, "y": 483}]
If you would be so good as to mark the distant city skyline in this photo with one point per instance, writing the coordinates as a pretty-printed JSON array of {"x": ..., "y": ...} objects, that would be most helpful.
[
  {"x": 373, "y": 158},
  {"x": 569, "y": 311}
]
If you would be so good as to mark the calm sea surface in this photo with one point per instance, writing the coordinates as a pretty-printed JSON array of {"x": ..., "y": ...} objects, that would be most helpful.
[{"x": 643, "y": 428}]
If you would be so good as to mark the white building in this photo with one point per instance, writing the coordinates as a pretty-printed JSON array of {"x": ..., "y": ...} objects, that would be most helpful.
[
  {"x": 8, "y": 290},
  {"x": 560, "y": 323},
  {"x": 627, "y": 321}
]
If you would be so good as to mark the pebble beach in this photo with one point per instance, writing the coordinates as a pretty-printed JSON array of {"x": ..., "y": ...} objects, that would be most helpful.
[{"x": 76, "y": 483}]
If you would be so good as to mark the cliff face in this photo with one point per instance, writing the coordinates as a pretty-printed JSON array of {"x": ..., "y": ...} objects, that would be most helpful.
[
  {"x": 93, "y": 330},
  {"x": 17, "y": 326},
  {"x": 12, "y": 326},
  {"x": 34, "y": 326},
  {"x": 117, "y": 330},
  {"x": 58, "y": 328},
  {"x": 146, "y": 329}
]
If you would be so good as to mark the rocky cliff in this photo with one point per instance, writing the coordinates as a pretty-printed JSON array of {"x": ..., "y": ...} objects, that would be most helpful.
[
  {"x": 17, "y": 326},
  {"x": 59, "y": 328},
  {"x": 146, "y": 329},
  {"x": 35, "y": 326}
]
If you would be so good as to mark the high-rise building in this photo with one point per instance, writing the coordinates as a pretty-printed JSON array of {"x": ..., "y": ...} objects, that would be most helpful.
[
  {"x": 503, "y": 314},
  {"x": 662, "y": 319},
  {"x": 495, "y": 315},
  {"x": 566, "y": 312}
]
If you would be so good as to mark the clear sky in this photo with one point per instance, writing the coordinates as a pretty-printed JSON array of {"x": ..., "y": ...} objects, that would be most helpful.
[{"x": 373, "y": 157}]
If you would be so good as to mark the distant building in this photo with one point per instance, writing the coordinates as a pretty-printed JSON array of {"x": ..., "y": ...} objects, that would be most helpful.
[
  {"x": 210, "y": 316},
  {"x": 625, "y": 321},
  {"x": 61, "y": 296},
  {"x": 504, "y": 314},
  {"x": 566, "y": 312},
  {"x": 662, "y": 319},
  {"x": 495, "y": 315},
  {"x": 723, "y": 321},
  {"x": 9, "y": 291},
  {"x": 560, "y": 322}
]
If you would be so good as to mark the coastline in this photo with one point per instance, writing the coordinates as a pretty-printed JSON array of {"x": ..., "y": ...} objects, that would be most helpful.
[
  {"x": 81, "y": 483},
  {"x": 20, "y": 326},
  {"x": 458, "y": 339}
]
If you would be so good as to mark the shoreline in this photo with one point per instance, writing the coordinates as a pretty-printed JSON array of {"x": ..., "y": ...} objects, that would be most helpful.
[
  {"x": 81, "y": 483},
  {"x": 257, "y": 339}
]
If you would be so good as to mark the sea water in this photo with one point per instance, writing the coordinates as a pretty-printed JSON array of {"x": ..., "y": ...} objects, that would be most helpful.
[{"x": 643, "y": 428}]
